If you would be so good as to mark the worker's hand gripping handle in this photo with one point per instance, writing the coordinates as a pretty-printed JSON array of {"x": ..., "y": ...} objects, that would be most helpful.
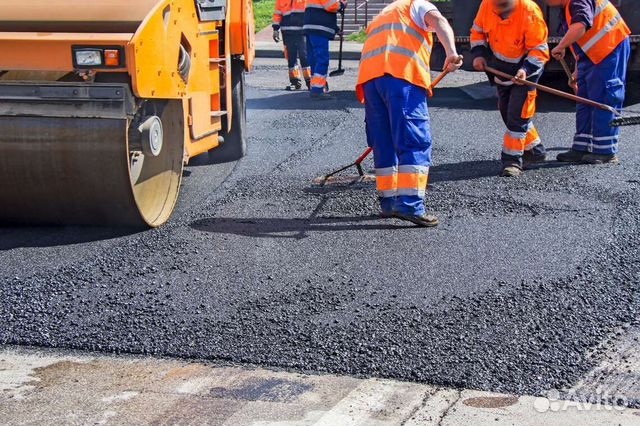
[
  {"x": 453, "y": 63},
  {"x": 573, "y": 82}
]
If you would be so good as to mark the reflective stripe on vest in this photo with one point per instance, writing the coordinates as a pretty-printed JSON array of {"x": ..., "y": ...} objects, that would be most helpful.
[
  {"x": 606, "y": 34},
  {"x": 319, "y": 28},
  {"x": 395, "y": 49},
  {"x": 396, "y": 46}
]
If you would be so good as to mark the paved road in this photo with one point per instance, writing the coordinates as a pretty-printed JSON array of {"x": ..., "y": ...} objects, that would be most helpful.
[{"x": 515, "y": 292}]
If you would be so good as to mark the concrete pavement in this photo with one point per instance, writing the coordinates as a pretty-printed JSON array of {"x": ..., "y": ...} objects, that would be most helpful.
[{"x": 48, "y": 388}]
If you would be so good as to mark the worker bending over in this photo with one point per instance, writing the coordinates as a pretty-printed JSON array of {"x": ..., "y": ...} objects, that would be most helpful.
[
  {"x": 512, "y": 34},
  {"x": 393, "y": 83},
  {"x": 321, "y": 26},
  {"x": 288, "y": 18},
  {"x": 599, "y": 39}
]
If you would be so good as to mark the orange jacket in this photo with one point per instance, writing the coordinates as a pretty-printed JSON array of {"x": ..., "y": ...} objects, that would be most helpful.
[
  {"x": 396, "y": 46},
  {"x": 607, "y": 32},
  {"x": 521, "y": 37},
  {"x": 288, "y": 15}
]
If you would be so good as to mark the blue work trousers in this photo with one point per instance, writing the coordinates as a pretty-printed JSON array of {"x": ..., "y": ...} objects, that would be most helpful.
[
  {"x": 604, "y": 83},
  {"x": 318, "y": 56},
  {"x": 399, "y": 131}
]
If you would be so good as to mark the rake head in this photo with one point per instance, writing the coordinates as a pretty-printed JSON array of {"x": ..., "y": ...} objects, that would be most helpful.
[{"x": 625, "y": 121}]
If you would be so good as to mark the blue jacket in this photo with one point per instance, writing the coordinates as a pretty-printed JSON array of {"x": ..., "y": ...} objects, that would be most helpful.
[{"x": 321, "y": 17}]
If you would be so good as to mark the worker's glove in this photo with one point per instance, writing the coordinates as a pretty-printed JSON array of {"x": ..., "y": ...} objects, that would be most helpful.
[
  {"x": 479, "y": 63},
  {"x": 276, "y": 36},
  {"x": 521, "y": 76},
  {"x": 343, "y": 6}
]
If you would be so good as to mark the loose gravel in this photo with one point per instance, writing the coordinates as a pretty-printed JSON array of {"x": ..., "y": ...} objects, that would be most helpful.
[{"x": 513, "y": 293}]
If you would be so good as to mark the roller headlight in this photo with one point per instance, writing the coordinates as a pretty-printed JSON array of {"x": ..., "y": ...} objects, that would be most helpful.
[{"x": 88, "y": 58}]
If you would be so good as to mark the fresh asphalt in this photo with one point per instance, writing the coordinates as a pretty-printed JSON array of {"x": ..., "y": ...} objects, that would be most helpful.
[{"x": 514, "y": 292}]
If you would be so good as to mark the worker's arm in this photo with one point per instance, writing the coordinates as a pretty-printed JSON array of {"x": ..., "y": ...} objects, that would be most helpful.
[
  {"x": 277, "y": 16},
  {"x": 479, "y": 42},
  {"x": 536, "y": 37},
  {"x": 575, "y": 33},
  {"x": 277, "y": 20},
  {"x": 440, "y": 25},
  {"x": 582, "y": 16}
]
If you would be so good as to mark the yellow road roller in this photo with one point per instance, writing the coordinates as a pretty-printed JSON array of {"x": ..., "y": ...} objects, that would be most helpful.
[{"x": 103, "y": 102}]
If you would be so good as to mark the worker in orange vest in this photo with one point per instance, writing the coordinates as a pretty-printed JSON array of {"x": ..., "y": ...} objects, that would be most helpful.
[
  {"x": 288, "y": 19},
  {"x": 393, "y": 83},
  {"x": 599, "y": 39},
  {"x": 512, "y": 34},
  {"x": 320, "y": 27}
]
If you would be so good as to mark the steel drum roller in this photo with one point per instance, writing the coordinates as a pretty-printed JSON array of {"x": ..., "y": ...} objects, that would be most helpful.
[{"x": 83, "y": 171}]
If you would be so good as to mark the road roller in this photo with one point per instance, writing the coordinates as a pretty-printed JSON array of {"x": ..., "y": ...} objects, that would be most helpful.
[{"x": 103, "y": 102}]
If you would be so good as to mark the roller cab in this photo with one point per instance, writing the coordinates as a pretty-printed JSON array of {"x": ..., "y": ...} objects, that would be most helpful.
[{"x": 103, "y": 102}]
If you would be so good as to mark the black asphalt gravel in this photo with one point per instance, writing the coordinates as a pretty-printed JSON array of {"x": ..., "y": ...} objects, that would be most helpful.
[{"x": 523, "y": 280}]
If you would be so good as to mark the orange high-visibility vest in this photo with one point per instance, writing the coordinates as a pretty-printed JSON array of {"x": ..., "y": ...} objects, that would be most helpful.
[
  {"x": 396, "y": 46},
  {"x": 523, "y": 34},
  {"x": 607, "y": 32}
]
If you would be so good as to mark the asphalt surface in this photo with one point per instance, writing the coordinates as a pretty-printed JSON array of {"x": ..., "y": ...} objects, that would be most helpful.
[{"x": 515, "y": 292}]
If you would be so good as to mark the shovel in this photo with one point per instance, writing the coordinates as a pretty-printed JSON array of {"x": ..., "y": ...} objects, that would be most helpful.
[{"x": 340, "y": 70}]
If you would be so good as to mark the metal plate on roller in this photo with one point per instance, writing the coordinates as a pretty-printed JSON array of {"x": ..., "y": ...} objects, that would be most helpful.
[
  {"x": 77, "y": 171},
  {"x": 73, "y": 16}
]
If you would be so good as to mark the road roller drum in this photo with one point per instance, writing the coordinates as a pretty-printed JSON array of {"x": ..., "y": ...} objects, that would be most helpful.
[{"x": 102, "y": 103}]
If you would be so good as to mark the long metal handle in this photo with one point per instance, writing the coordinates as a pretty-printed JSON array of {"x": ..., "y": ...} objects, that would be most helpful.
[
  {"x": 556, "y": 92},
  {"x": 341, "y": 41},
  {"x": 439, "y": 78},
  {"x": 573, "y": 83},
  {"x": 566, "y": 68}
]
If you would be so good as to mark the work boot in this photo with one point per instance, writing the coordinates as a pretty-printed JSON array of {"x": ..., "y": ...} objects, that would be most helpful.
[
  {"x": 321, "y": 96},
  {"x": 600, "y": 159},
  {"x": 511, "y": 170},
  {"x": 531, "y": 157},
  {"x": 293, "y": 87},
  {"x": 571, "y": 156},
  {"x": 424, "y": 220},
  {"x": 308, "y": 82}
]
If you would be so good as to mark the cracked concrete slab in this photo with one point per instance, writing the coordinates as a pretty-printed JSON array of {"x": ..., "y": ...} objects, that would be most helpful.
[{"x": 44, "y": 388}]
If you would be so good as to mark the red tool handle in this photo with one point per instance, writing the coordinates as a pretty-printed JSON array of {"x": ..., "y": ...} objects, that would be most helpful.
[
  {"x": 364, "y": 155},
  {"x": 439, "y": 79}
]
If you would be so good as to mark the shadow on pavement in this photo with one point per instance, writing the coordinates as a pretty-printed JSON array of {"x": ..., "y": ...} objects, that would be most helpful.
[
  {"x": 296, "y": 229},
  {"x": 465, "y": 170},
  {"x": 207, "y": 159},
  {"x": 470, "y": 170},
  {"x": 40, "y": 237}
]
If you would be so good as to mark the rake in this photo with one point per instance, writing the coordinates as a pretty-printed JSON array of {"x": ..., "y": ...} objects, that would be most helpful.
[{"x": 619, "y": 121}]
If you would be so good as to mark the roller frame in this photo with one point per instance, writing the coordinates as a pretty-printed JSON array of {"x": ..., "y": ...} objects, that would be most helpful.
[{"x": 78, "y": 139}]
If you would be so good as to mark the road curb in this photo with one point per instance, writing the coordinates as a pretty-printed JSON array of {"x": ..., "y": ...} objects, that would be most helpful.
[
  {"x": 351, "y": 51},
  {"x": 273, "y": 53}
]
